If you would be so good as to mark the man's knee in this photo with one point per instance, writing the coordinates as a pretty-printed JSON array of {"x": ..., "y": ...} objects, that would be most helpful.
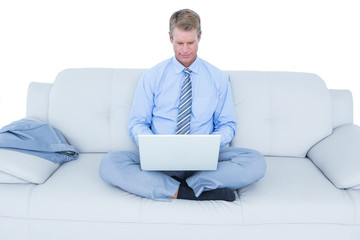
[
  {"x": 260, "y": 165},
  {"x": 106, "y": 167},
  {"x": 111, "y": 165},
  {"x": 255, "y": 161}
]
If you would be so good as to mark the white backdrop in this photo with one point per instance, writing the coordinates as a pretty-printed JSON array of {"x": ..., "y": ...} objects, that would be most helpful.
[{"x": 39, "y": 38}]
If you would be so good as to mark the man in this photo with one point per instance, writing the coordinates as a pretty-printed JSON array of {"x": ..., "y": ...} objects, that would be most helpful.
[{"x": 160, "y": 107}]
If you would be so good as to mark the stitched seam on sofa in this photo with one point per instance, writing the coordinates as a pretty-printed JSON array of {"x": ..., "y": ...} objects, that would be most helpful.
[
  {"x": 140, "y": 212},
  {"x": 241, "y": 207},
  {"x": 355, "y": 210},
  {"x": 109, "y": 111},
  {"x": 48, "y": 103},
  {"x": 49, "y": 98},
  {"x": 185, "y": 224},
  {"x": 29, "y": 200},
  {"x": 271, "y": 123},
  {"x": 115, "y": 74},
  {"x": 28, "y": 207}
]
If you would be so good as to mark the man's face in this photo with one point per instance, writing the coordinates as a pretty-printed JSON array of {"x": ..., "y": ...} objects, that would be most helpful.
[{"x": 185, "y": 44}]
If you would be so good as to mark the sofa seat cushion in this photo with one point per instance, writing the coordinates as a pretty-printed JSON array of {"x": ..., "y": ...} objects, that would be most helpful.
[
  {"x": 192, "y": 212},
  {"x": 76, "y": 192},
  {"x": 354, "y": 195},
  {"x": 14, "y": 200},
  {"x": 295, "y": 191}
]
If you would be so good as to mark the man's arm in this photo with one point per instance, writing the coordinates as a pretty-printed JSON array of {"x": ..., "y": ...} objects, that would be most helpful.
[
  {"x": 141, "y": 111},
  {"x": 224, "y": 116}
]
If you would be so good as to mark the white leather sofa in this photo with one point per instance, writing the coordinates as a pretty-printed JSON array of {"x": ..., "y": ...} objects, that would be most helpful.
[{"x": 311, "y": 189}]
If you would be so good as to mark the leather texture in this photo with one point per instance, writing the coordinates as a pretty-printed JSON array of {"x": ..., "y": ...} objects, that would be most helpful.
[
  {"x": 338, "y": 156},
  {"x": 25, "y": 167},
  {"x": 8, "y": 178},
  {"x": 280, "y": 114},
  {"x": 38, "y": 101},
  {"x": 76, "y": 192},
  {"x": 342, "y": 107},
  {"x": 15, "y": 199},
  {"x": 294, "y": 197},
  {"x": 34, "y": 229},
  {"x": 92, "y": 106},
  {"x": 273, "y": 109},
  {"x": 276, "y": 109},
  {"x": 295, "y": 191}
]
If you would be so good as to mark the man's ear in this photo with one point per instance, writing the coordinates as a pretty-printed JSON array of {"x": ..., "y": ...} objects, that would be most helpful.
[
  {"x": 199, "y": 36},
  {"x": 171, "y": 39}
]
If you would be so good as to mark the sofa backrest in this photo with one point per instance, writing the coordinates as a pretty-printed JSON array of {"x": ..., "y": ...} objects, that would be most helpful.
[
  {"x": 91, "y": 107},
  {"x": 278, "y": 113}
]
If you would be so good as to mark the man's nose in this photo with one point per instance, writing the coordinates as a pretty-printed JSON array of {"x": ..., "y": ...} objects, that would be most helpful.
[{"x": 186, "y": 47}]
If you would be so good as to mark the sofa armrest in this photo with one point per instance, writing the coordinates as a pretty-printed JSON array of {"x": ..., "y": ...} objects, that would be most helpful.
[
  {"x": 338, "y": 156},
  {"x": 18, "y": 167}
]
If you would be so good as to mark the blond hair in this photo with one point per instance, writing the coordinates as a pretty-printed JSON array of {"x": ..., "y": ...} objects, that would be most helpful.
[{"x": 186, "y": 20}]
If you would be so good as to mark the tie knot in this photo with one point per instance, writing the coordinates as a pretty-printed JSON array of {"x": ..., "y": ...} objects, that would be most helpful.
[{"x": 187, "y": 71}]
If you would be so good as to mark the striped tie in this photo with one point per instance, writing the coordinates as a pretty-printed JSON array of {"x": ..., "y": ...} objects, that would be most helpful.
[{"x": 184, "y": 115}]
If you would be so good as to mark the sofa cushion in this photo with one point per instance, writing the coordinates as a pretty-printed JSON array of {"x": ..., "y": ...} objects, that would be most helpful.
[
  {"x": 192, "y": 212},
  {"x": 354, "y": 195},
  {"x": 91, "y": 107},
  {"x": 280, "y": 113},
  {"x": 76, "y": 192},
  {"x": 292, "y": 191},
  {"x": 274, "y": 109},
  {"x": 295, "y": 191},
  {"x": 14, "y": 200}
]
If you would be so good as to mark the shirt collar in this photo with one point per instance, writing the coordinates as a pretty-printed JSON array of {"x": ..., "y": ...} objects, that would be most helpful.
[{"x": 194, "y": 67}]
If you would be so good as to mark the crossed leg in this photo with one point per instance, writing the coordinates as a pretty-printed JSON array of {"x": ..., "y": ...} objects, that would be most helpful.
[{"x": 237, "y": 168}]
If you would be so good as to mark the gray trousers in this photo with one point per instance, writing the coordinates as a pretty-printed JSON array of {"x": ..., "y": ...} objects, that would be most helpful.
[{"x": 237, "y": 167}]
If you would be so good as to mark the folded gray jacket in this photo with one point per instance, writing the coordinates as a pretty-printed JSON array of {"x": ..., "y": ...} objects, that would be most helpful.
[{"x": 37, "y": 138}]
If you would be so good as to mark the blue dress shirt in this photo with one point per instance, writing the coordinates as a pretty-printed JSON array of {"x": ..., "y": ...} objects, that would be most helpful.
[{"x": 156, "y": 101}]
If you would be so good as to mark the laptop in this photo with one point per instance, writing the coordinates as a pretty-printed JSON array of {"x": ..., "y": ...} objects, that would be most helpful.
[{"x": 179, "y": 152}]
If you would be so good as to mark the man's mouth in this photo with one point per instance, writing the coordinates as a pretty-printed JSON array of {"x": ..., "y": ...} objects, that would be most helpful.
[{"x": 185, "y": 55}]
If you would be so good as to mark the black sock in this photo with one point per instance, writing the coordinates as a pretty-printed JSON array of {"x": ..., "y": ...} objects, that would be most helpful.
[
  {"x": 186, "y": 192},
  {"x": 224, "y": 194}
]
